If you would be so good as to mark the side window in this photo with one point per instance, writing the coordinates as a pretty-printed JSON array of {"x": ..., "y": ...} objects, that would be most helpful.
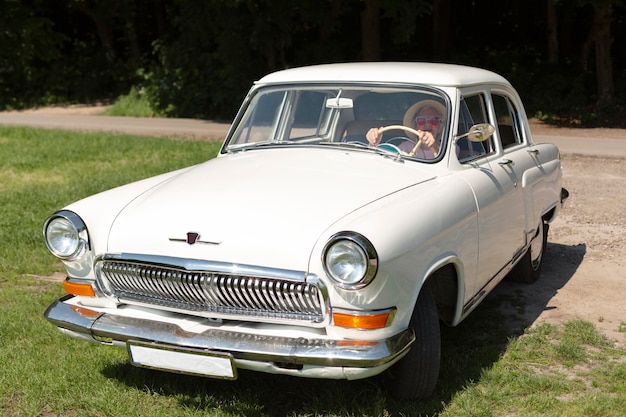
[
  {"x": 507, "y": 120},
  {"x": 472, "y": 110}
]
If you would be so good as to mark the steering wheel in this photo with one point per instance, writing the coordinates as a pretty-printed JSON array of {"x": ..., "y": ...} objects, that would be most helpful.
[
  {"x": 410, "y": 130},
  {"x": 398, "y": 140}
]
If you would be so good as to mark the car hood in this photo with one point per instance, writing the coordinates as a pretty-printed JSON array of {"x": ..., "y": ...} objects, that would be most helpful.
[{"x": 265, "y": 207}]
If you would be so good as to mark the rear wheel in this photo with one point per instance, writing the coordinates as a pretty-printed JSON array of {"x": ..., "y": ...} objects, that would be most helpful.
[
  {"x": 416, "y": 374},
  {"x": 528, "y": 269}
]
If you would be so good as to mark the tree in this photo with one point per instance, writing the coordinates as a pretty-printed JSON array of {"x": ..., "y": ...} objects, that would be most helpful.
[
  {"x": 600, "y": 38},
  {"x": 196, "y": 59},
  {"x": 29, "y": 46},
  {"x": 442, "y": 34},
  {"x": 370, "y": 31},
  {"x": 399, "y": 20},
  {"x": 552, "y": 32}
]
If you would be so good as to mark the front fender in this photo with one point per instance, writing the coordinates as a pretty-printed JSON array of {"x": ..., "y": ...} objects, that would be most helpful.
[{"x": 423, "y": 227}]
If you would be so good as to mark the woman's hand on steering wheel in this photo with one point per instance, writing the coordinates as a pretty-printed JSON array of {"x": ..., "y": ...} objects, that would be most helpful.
[
  {"x": 374, "y": 136},
  {"x": 423, "y": 137}
]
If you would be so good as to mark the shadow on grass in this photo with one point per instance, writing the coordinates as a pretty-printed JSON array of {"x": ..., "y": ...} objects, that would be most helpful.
[{"x": 468, "y": 349}]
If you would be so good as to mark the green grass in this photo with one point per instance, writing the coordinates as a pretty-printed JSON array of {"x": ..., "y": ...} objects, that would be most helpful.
[
  {"x": 570, "y": 370},
  {"x": 487, "y": 370},
  {"x": 44, "y": 170}
]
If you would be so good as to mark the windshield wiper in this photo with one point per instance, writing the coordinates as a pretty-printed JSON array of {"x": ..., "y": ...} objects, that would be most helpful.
[
  {"x": 250, "y": 145},
  {"x": 346, "y": 144}
]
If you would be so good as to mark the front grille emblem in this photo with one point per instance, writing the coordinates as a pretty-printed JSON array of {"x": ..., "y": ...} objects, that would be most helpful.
[{"x": 192, "y": 239}]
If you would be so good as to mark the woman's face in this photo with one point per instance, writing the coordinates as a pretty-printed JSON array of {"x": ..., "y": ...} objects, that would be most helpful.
[{"x": 429, "y": 121}]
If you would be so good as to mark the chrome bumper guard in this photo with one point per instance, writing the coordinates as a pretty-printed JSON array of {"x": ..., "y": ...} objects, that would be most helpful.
[{"x": 109, "y": 328}]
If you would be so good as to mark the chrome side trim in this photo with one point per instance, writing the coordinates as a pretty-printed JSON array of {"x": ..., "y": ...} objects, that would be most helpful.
[
  {"x": 241, "y": 345},
  {"x": 485, "y": 290}
]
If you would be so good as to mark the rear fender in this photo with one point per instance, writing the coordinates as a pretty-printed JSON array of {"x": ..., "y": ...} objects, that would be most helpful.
[{"x": 541, "y": 186}]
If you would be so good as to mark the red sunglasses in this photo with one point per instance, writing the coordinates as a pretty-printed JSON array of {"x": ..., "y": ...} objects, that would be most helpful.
[{"x": 433, "y": 120}]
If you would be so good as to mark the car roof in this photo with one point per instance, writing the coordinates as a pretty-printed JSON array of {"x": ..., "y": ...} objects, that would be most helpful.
[{"x": 449, "y": 75}]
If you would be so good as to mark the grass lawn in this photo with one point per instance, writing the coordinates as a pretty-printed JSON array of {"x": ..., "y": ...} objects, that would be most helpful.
[{"x": 568, "y": 370}]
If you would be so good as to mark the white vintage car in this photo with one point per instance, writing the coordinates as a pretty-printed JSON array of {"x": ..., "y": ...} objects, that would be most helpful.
[{"x": 351, "y": 209}]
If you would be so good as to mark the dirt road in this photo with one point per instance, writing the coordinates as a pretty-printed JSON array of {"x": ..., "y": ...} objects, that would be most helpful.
[{"x": 584, "y": 275}]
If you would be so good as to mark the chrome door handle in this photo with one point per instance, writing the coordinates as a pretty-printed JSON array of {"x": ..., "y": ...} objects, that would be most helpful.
[
  {"x": 506, "y": 162},
  {"x": 534, "y": 152}
]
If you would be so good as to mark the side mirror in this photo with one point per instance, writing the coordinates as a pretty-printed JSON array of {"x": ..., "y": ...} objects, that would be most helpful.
[{"x": 478, "y": 133}]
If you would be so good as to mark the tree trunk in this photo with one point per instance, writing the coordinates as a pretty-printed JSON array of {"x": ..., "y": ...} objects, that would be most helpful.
[
  {"x": 553, "y": 33},
  {"x": 370, "y": 31},
  {"x": 441, "y": 27},
  {"x": 601, "y": 32},
  {"x": 104, "y": 33}
]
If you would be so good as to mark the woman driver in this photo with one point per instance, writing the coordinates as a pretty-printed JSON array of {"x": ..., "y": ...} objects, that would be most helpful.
[{"x": 426, "y": 117}]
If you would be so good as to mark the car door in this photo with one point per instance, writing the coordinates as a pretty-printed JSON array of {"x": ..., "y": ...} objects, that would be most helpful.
[
  {"x": 535, "y": 166},
  {"x": 495, "y": 174}
]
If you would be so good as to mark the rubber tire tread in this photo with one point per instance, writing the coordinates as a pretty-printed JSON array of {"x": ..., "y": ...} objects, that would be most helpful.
[
  {"x": 523, "y": 271},
  {"x": 416, "y": 374}
]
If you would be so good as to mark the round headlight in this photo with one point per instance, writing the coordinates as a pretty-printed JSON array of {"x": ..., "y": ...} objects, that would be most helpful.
[
  {"x": 350, "y": 260},
  {"x": 64, "y": 235}
]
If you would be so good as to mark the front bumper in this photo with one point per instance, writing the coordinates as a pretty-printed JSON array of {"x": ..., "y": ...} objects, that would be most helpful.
[{"x": 300, "y": 356}]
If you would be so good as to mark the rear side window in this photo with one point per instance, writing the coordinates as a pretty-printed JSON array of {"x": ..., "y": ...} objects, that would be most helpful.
[{"x": 507, "y": 120}]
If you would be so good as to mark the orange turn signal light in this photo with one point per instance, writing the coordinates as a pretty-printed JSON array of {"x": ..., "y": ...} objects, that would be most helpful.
[
  {"x": 361, "y": 321},
  {"x": 355, "y": 344},
  {"x": 78, "y": 289},
  {"x": 85, "y": 312}
]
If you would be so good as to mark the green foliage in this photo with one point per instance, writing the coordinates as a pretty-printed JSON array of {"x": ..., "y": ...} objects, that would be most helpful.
[
  {"x": 203, "y": 71},
  {"x": 28, "y": 43},
  {"x": 197, "y": 59},
  {"x": 135, "y": 104}
]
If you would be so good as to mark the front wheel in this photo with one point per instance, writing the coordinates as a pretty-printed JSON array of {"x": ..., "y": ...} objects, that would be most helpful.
[
  {"x": 528, "y": 269},
  {"x": 416, "y": 374}
]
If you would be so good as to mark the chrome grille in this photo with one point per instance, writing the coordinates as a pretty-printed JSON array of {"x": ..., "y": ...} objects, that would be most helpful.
[{"x": 224, "y": 294}]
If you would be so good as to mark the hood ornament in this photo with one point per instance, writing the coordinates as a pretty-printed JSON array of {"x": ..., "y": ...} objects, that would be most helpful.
[{"x": 193, "y": 238}]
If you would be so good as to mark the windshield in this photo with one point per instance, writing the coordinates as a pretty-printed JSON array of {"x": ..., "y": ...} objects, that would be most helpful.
[{"x": 343, "y": 116}]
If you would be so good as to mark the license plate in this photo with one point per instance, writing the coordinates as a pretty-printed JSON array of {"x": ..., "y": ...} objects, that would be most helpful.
[{"x": 182, "y": 360}]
